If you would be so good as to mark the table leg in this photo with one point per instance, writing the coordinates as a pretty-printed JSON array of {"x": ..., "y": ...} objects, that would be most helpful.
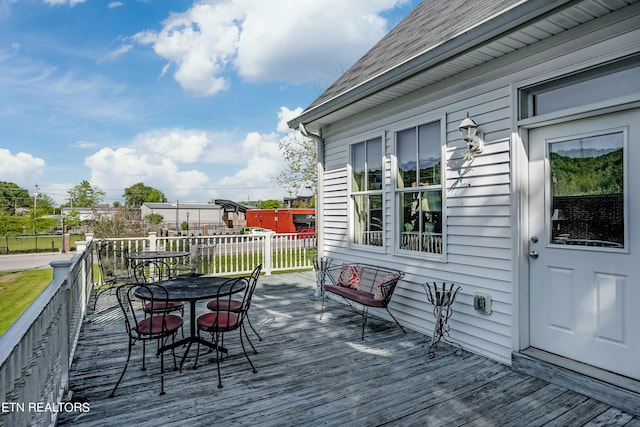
[{"x": 192, "y": 338}]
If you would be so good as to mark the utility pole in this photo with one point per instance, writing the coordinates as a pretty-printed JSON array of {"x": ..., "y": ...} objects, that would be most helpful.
[
  {"x": 35, "y": 207},
  {"x": 177, "y": 215}
]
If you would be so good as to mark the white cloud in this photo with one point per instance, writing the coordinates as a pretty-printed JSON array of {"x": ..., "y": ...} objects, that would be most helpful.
[
  {"x": 277, "y": 40},
  {"x": 85, "y": 144},
  {"x": 63, "y": 2},
  {"x": 189, "y": 146},
  {"x": 263, "y": 162},
  {"x": 123, "y": 167},
  {"x": 193, "y": 164},
  {"x": 116, "y": 53},
  {"x": 115, "y": 4},
  {"x": 284, "y": 116},
  {"x": 22, "y": 169},
  {"x": 33, "y": 88}
]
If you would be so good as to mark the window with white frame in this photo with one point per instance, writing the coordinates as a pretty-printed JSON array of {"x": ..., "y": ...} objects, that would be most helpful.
[
  {"x": 609, "y": 83},
  {"x": 366, "y": 192},
  {"x": 419, "y": 188}
]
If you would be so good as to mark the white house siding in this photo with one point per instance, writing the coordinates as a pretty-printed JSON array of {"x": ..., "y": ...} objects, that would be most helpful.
[
  {"x": 482, "y": 229},
  {"x": 478, "y": 217}
]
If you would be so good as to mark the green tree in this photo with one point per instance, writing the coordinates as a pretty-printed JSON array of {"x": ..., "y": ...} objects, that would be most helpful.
[
  {"x": 301, "y": 156},
  {"x": 72, "y": 220},
  {"x": 45, "y": 204},
  {"x": 12, "y": 196},
  {"x": 84, "y": 195},
  {"x": 11, "y": 225},
  {"x": 139, "y": 193},
  {"x": 154, "y": 219},
  {"x": 270, "y": 204}
]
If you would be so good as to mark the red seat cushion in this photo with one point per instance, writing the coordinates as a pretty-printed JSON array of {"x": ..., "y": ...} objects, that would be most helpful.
[
  {"x": 217, "y": 321},
  {"x": 160, "y": 306},
  {"x": 361, "y": 297},
  {"x": 153, "y": 325},
  {"x": 224, "y": 305}
]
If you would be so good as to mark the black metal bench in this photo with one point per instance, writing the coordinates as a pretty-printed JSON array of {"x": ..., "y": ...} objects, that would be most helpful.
[{"x": 362, "y": 284}]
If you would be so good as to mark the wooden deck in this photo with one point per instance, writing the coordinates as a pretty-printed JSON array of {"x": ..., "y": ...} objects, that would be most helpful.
[{"x": 315, "y": 372}]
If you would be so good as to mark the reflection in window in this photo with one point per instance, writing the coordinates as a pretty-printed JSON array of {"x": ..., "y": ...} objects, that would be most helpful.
[
  {"x": 366, "y": 192},
  {"x": 421, "y": 221},
  {"x": 419, "y": 184},
  {"x": 603, "y": 84},
  {"x": 586, "y": 92},
  {"x": 418, "y": 153},
  {"x": 368, "y": 219},
  {"x": 587, "y": 179}
]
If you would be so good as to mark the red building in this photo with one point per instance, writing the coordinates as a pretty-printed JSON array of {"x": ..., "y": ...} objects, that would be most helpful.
[{"x": 282, "y": 220}]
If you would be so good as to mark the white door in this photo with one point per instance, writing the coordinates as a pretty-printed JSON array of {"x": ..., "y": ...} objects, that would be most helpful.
[{"x": 584, "y": 248}]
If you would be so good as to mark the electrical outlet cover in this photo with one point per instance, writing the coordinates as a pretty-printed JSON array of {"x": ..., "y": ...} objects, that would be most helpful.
[{"x": 482, "y": 303}]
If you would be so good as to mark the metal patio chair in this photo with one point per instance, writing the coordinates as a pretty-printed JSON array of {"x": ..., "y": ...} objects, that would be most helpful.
[
  {"x": 113, "y": 267},
  {"x": 223, "y": 319},
  {"x": 140, "y": 327},
  {"x": 235, "y": 305}
]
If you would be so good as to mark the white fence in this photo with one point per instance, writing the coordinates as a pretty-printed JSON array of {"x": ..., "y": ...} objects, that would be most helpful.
[
  {"x": 237, "y": 254},
  {"x": 37, "y": 350}
]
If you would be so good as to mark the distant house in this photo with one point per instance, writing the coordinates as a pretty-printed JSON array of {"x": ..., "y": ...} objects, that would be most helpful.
[
  {"x": 534, "y": 215},
  {"x": 95, "y": 212},
  {"x": 234, "y": 213},
  {"x": 196, "y": 215}
]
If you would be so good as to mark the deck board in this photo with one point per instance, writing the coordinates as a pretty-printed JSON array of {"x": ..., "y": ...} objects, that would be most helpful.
[{"x": 314, "y": 371}]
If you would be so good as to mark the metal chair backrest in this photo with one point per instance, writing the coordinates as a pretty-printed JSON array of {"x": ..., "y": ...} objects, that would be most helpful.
[
  {"x": 131, "y": 298},
  {"x": 113, "y": 262},
  {"x": 253, "y": 282},
  {"x": 152, "y": 271},
  {"x": 200, "y": 258},
  {"x": 228, "y": 317}
]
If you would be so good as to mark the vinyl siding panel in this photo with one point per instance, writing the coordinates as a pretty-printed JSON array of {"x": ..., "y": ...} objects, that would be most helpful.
[
  {"x": 480, "y": 197},
  {"x": 478, "y": 220}
]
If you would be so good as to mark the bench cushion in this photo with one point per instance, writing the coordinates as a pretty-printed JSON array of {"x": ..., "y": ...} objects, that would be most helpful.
[
  {"x": 378, "y": 294},
  {"x": 349, "y": 276},
  {"x": 356, "y": 295}
]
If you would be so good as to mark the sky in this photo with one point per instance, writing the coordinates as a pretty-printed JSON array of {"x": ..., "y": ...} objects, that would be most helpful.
[{"x": 189, "y": 97}]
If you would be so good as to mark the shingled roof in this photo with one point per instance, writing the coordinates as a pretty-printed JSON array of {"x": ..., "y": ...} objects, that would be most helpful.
[
  {"x": 434, "y": 31},
  {"x": 430, "y": 24}
]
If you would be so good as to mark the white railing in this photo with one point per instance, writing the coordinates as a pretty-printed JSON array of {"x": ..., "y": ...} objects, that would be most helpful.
[
  {"x": 371, "y": 238},
  {"x": 425, "y": 242},
  {"x": 233, "y": 254},
  {"x": 37, "y": 350}
]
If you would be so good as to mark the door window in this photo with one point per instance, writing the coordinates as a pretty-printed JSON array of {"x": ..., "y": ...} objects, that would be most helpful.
[{"x": 587, "y": 191}]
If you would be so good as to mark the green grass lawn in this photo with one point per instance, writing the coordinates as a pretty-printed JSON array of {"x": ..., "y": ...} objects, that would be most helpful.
[
  {"x": 40, "y": 243},
  {"x": 18, "y": 290}
]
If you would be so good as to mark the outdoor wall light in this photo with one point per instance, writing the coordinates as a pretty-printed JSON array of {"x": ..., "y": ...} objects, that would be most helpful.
[{"x": 470, "y": 134}]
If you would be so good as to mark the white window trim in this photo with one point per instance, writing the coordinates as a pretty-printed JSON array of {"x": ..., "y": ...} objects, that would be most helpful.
[
  {"x": 350, "y": 142},
  {"x": 393, "y": 189}
]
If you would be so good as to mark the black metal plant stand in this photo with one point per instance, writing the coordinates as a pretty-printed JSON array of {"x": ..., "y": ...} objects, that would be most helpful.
[
  {"x": 321, "y": 267},
  {"x": 442, "y": 298}
]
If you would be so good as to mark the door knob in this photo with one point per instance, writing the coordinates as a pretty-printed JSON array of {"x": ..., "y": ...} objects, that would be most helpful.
[{"x": 533, "y": 254}]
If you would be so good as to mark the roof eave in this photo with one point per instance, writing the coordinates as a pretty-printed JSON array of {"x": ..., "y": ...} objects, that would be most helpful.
[{"x": 503, "y": 23}]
